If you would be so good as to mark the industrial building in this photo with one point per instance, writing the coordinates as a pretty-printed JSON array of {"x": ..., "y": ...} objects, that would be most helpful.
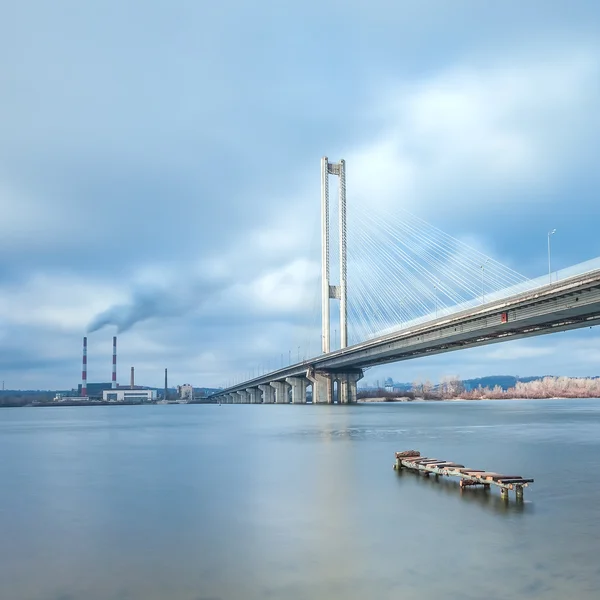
[
  {"x": 185, "y": 392},
  {"x": 127, "y": 394},
  {"x": 59, "y": 397}
]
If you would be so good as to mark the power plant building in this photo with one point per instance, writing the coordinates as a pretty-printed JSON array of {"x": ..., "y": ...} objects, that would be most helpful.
[{"x": 127, "y": 394}]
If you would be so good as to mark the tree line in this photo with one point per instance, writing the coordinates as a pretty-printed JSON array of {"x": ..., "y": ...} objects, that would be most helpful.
[{"x": 451, "y": 388}]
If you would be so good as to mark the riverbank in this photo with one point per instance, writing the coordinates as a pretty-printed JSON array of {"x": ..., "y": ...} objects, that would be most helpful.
[
  {"x": 399, "y": 399},
  {"x": 459, "y": 399},
  {"x": 407, "y": 399}
]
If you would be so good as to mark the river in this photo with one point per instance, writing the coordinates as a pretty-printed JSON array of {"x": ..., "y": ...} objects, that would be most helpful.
[{"x": 207, "y": 502}]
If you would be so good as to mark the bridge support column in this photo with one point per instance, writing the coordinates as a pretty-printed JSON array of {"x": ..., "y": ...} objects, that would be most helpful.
[
  {"x": 243, "y": 395},
  {"x": 252, "y": 393},
  {"x": 298, "y": 389},
  {"x": 347, "y": 387},
  {"x": 268, "y": 394},
  {"x": 322, "y": 387},
  {"x": 281, "y": 392},
  {"x": 233, "y": 398}
]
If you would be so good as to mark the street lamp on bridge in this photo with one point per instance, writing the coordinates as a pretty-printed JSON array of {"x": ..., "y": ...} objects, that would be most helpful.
[
  {"x": 401, "y": 307},
  {"x": 549, "y": 267},
  {"x": 482, "y": 286}
]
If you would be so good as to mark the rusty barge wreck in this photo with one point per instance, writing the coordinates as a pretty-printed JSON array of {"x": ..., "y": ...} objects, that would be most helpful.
[{"x": 413, "y": 461}]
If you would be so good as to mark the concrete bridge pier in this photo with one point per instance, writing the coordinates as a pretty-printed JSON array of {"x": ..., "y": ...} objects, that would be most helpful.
[
  {"x": 298, "y": 385},
  {"x": 281, "y": 392},
  {"x": 347, "y": 387},
  {"x": 252, "y": 394},
  {"x": 243, "y": 396},
  {"x": 322, "y": 386},
  {"x": 233, "y": 398},
  {"x": 268, "y": 394}
]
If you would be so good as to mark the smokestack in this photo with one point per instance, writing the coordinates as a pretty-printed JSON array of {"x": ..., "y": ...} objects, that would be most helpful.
[
  {"x": 114, "y": 372},
  {"x": 84, "y": 369},
  {"x": 132, "y": 379},
  {"x": 165, "y": 384}
]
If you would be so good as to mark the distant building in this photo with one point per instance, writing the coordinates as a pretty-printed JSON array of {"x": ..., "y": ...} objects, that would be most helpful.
[
  {"x": 60, "y": 397},
  {"x": 127, "y": 394},
  {"x": 185, "y": 391}
]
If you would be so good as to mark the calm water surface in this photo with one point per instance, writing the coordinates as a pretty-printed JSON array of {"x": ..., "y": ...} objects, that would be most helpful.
[{"x": 296, "y": 502}]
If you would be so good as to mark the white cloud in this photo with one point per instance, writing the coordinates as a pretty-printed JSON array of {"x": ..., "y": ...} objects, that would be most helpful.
[{"x": 474, "y": 134}]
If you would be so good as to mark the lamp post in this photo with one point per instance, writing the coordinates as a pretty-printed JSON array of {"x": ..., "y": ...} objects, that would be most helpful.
[
  {"x": 549, "y": 267},
  {"x": 401, "y": 306},
  {"x": 482, "y": 286}
]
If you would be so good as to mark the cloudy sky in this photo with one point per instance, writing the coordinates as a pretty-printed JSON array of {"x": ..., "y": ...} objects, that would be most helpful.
[{"x": 159, "y": 170}]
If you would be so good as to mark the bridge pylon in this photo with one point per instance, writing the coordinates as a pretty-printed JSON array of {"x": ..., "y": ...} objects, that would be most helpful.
[{"x": 328, "y": 291}]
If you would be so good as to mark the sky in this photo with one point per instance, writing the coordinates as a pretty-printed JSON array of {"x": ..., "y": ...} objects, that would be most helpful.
[{"x": 159, "y": 171}]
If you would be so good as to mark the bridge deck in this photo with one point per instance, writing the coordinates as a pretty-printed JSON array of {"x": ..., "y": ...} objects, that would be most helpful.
[
  {"x": 568, "y": 304},
  {"x": 412, "y": 460}
]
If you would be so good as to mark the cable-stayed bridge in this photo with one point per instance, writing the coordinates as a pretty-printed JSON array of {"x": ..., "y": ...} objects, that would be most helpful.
[{"x": 404, "y": 289}]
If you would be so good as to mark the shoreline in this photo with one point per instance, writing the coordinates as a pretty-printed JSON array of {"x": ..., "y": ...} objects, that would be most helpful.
[{"x": 406, "y": 400}]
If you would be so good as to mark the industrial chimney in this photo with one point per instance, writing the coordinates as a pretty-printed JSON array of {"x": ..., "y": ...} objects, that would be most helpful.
[
  {"x": 84, "y": 370},
  {"x": 114, "y": 371},
  {"x": 132, "y": 379},
  {"x": 165, "y": 384}
]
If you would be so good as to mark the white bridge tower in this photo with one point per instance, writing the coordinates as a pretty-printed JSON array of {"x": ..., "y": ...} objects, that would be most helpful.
[{"x": 328, "y": 291}]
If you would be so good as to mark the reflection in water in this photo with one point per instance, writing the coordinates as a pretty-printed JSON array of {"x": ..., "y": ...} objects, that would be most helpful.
[
  {"x": 208, "y": 502},
  {"x": 337, "y": 553},
  {"x": 487, "y": 498}
]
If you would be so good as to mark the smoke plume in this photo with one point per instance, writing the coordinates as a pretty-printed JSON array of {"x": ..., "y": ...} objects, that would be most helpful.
[{"x": 150, "y": 304}]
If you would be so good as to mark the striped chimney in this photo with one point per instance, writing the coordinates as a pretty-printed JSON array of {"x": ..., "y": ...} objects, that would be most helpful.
[
  {"x": 84, "y": 369},
  {"x": 114, "y": 371}
]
